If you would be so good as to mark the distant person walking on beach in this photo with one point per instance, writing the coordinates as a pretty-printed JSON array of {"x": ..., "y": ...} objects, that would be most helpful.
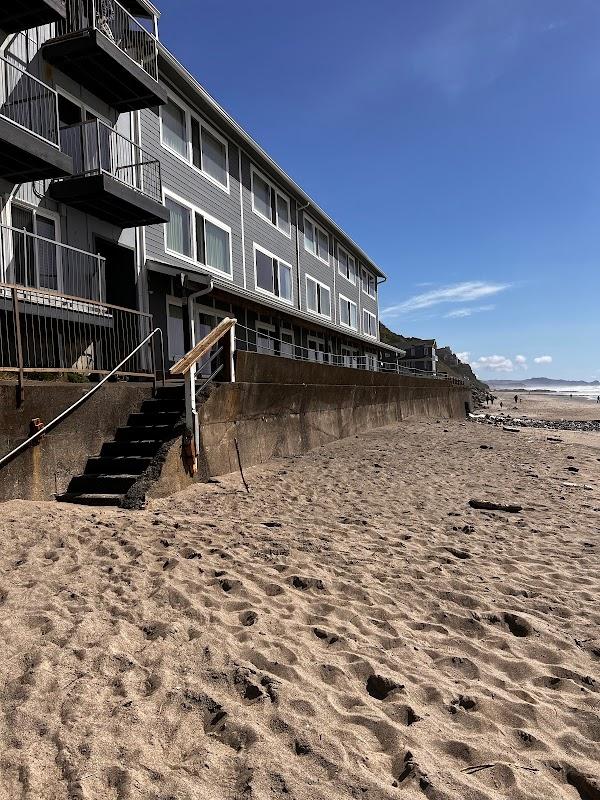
[
  {"x": 598, "y": 399},
  {"x": 501, "y": 404},
  {"x": 516, "y": 399}
]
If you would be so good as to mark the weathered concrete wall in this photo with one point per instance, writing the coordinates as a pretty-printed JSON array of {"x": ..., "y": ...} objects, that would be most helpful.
[
  {"x": 43, "y": 470},
  {"x": 262, "y": 368},
  {"x": 273, "y": 420}
]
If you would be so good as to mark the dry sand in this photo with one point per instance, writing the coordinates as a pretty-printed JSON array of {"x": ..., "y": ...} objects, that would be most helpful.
[
  {"x": 349, "y": 629},
  {"x": 546, "y": 406}
]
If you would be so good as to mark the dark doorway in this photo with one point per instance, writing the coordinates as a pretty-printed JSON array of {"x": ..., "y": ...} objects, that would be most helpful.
[{"x": 120, "y": 273}]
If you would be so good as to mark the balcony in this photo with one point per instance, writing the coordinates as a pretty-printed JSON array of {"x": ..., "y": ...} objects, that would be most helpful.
[
  {"x": 29, "y": 146},
  {"x": 103, "y": 47},
  {"x": 114, "y": 179},
  {"x": 20, "y": 15},
  {"x": 35, "y": 262}
]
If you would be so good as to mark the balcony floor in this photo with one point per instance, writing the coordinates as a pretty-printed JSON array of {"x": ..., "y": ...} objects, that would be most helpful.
[
  {"x": 20, "y": 15},
  {"x": 25, "y": 157},
  {"x": 103, "y": 68},
  {"x": 107, "y": 198}
]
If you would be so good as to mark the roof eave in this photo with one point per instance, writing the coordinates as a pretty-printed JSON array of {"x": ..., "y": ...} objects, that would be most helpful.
[{"x": 247, "y": 140}]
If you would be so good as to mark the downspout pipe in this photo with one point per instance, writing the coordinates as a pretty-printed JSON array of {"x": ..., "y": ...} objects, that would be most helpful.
[
  {"x": 298, "y": 209},
  {"x": 190, "y": 304}
]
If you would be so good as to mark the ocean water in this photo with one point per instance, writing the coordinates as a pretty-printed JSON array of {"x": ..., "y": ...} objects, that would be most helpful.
[{"x": 590, "y": 392}]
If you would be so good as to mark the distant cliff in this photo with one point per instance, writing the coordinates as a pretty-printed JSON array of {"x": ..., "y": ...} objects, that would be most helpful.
[{"x": 448, "y": 361}]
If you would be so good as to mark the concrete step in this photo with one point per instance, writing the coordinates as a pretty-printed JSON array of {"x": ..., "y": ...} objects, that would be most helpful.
[
  {"x": 130, "y": 448},
  {"x": 129, "y": 433},
  {"x": 146, "y": 418},
  {"x": 102, "y": 484},
  {"x": 117, "y": 465},
  {"x": 91, "y": 499}
]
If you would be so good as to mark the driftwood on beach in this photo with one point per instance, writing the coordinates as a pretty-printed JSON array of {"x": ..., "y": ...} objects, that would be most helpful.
[{"x": 486, "y": 505}]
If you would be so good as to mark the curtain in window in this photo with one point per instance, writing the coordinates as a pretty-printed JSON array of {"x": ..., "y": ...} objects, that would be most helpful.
[
  {"x": 285, "y": 282},
  {"x": 217, "y": 247},
  {"x": 323, "y": 245},
  {"x": 325, "y": 302},
  {"x": 174, "y": 128},
  {"x": 178, "y": 228},
  {"x": 214, "y": 157},
  {"x": 283, "y": 215},
  {"x": 309, "y": 236},
  {"x": 262, "y": 196},
  {"x": 311, "y": 295}
]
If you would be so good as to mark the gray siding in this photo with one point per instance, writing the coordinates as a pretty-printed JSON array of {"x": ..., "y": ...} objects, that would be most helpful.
[{"x": 187, "y": 182}]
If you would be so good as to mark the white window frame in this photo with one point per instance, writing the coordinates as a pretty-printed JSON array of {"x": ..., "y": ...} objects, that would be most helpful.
[
  {"x": 316, "y": 229},
  {"x": 35, "y": 211},
  {"x": 265, "y": 326},
  {"x": 189, "y": 158},
  {"x": 324, "y": 286},
  {"x": 278, "y": 193},
  {"x": 344, "y": 299},
  {"x": 348, "y": 256},
  {"x": 374, "y": 316},
  {"x": 364, "y": 272},
  {"x": 217, "y": 222},
  {"x": 280, "y": 261},
  {"x": 287, "y": 332}
]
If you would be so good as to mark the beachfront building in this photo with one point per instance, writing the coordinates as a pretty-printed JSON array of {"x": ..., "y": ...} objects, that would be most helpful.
[
  {"x": 421, "y": 356},
  {"x": 131, "y": 199}
]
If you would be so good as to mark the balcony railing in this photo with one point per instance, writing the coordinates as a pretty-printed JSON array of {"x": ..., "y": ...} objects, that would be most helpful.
[
  {"x": 118, "y": 25},
  {"x": 28, "y": 102},
  {"x": 97, "y": 148},
  {"x": 34, "y": 262}
]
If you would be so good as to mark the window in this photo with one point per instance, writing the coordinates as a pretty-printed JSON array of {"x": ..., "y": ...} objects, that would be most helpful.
[
  {"x": 35, "y": 262},
  {"x": 174, "y": 128},
  {"x": 369, "y": 323},
  {"x": 195, "y": 235},
  {"x": 316, "y": 240},
  {"x": 265, "y": 338},
  {"x": 179, "y": 228},
  {"x": 346, "y": 265},
  {"x": 195, "y": 142},
  {"x": 318, "y": 297},
  {"x": 287, "y": 343},
  {"x": 369, "y": 283},
  {"x": 273, "y": 275},
  {"x": 348, "y": 316},
  {"x": 175, "y": 331},
  {"x": 270, "y": 203}
]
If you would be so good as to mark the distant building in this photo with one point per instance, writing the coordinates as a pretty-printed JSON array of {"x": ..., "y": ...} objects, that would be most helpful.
[{"x": 421, "y": 356}]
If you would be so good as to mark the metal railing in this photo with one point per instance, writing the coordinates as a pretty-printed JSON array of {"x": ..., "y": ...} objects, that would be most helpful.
[
  {"x": 35, "y": 262},
  {"x": 260, "y": 342},
  {"x": 118, "y": 25},
  {"x": 96, "y": 148},
  {"x": 147, "y": 341},
  {"x": 45, "y": 332},
  {"x": 28, "y": 102}
]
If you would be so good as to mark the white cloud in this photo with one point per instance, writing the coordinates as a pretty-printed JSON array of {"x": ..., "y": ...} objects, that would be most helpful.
[
  {"x": 543, "y": 360},
  {"x": 521, "y": 361},
  {"x": 464, "y": 356},
  {"x": 464, "y": 292},
  {"x": 466, "y": 312},
  {"x": 494, "y": 364}
]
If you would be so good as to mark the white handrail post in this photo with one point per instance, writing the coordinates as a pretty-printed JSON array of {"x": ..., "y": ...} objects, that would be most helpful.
[
  {"x": 232, "y": 353},
  {"x": 191, "y": 413}
]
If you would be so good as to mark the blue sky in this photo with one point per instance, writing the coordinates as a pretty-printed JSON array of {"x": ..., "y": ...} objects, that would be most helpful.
[{"x": 458, "y": 141}]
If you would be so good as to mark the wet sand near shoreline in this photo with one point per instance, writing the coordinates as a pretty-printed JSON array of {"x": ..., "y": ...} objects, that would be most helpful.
[{"x": 350, "y": 628}]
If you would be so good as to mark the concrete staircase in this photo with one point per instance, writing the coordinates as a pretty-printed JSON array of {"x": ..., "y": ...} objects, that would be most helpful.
[{"x": 109, "y": 475}]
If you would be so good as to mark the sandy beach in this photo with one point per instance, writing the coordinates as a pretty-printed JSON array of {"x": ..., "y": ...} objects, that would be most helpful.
[
  {"x": 350, "y": 628},
  {"x": 546, "y": 406}
]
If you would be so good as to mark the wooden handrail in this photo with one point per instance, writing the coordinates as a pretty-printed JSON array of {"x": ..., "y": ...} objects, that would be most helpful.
[{"x": 184, "y": 365}]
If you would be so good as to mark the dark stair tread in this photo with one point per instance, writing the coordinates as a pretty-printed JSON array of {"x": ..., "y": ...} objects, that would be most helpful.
[
  {"x": 128, "y": 433},
  {"x": 147, "y": 418},
  {"x": 157, "y": 404},
  {"x": 91, "y": 499},
  {"x": 101, "y": 465}
]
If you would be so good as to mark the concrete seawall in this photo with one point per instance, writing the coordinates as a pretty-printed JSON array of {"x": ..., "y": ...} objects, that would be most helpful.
[
  {"x": 292, "y": 407},
  {"x": 46, "y": 469}
]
